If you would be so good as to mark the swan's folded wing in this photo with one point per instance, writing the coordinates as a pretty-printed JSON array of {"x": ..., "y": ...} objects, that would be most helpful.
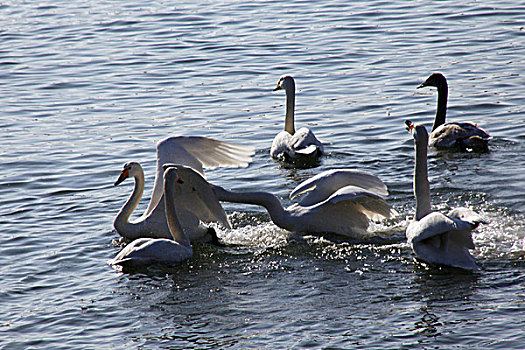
[
  {"x": 199, "y": 198},
  {"x": 446, "y": 135},
  {"x": 328, "y": 182},
  {"x": 304, "y": 142},
  {"x": 196, "y": 152},
  {"x": 435, "y": 224}
]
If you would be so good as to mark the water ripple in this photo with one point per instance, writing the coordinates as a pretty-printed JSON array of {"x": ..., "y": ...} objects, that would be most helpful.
[{"x": 86, "y": 87}]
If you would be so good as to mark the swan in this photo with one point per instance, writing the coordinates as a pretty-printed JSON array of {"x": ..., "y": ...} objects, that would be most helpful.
[
  {"x": 290, "y": 145},
  {"x": 339, "y": 201},
  {"x": 155, "y": 225},
  {"x": 197, "y": 152},
  {"x": 434, "y": 237},
  {"x": 147, "y": 251},
  {"x": 465, "y": 136}
]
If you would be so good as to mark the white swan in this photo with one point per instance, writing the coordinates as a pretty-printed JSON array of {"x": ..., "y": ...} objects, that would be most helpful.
[
  {"x": 178, "y": 195},
  {"x": 290, "y": 145},
  {"x": 465, "y": 136},
  {"x": 155, "y": 225},
  {"x": 434, "y": 237},
  {"x": 340, "y": 202},
  {"x": 197, "y": 152}
]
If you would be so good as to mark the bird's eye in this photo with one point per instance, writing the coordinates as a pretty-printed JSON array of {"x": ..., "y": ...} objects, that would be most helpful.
[{"x": 180, "y": 181}]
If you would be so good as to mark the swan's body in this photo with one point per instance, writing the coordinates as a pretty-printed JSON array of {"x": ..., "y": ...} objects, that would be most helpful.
[
  {"x": 434, "y": 237},
  {"x": 465, "y": 136},
  {"x": 290, "y": 145},
  {"x": 196, "y": 152},
  {"x": 155, "y": 223},
  {"x": 340, "y": 202},
  {"x": 147, "y": 251}
]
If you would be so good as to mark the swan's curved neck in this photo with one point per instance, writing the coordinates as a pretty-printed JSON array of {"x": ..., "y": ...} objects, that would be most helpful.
[
  {"x": 278, "y": 214},
  {"x": 441, "y": 112},
  {"x": 290, "y": 108},
  {"x": 122, "y": 224},
  {"x": 421, "y": 184},
  {"x": 171, "y": 215}
]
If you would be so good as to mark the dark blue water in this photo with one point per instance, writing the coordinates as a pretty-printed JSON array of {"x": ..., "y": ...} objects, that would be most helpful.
[{"x": 88, "y": 86}]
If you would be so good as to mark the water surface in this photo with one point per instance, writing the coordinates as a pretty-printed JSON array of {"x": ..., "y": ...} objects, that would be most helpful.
[{"x": 86, "y": 87}]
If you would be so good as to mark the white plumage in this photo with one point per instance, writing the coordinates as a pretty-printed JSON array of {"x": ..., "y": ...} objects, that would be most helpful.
[
  {"x": 179, "y": 195},
  {"x": 434, "y": 237},
  {"x": 339, "y": 201},
  {"x": 291, "y": 145},
  {"x": 195, "y": 152}
]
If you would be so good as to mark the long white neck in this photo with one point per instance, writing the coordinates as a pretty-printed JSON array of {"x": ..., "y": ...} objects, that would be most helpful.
[
  {"x": 421, "y": 184},
  {"x": 278, "y": 214},
  {"x": 290, "y": 108},
  {"x": 121, "y": 223},
  {"x": 176, "y": 230}
]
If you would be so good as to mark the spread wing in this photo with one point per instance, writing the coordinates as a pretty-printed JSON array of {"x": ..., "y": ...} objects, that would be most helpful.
[
  {"x": 372, "y": 205},
  {"x": 199, "y": 201},
  {"x": 328, "y": 182},
  {"x": 196, "y": 152}
]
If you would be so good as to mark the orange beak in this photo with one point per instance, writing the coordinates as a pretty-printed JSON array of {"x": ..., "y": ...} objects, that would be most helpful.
[{"x": 124, "y": 174}]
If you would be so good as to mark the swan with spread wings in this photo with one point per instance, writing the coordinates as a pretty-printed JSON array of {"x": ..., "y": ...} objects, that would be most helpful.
[
  {"x": 195, "y": 152},
  {"x": 341, "y": 202},
  {"x": 179, "y": 196}
]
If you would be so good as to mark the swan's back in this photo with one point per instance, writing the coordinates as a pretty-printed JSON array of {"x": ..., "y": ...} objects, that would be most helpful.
[
  {"x": 149, "y": 251},
  {"x": 465, "y": 136},
  {"x": 440, "y": 239},
  {"x": 302, "y": 144}
]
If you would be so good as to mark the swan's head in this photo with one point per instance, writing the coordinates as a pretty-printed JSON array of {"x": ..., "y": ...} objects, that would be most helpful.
[
  {"x": 435, "y": 79},
  {"x": 130, "y": 169},
  {"x": 285, "y": 83},
  {"x": 419, "y": 132}
]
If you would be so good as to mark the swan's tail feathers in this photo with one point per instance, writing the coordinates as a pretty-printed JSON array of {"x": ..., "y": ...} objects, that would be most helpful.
[
  {"x": 475, "y": 143},
  {"x": 328, "y": 182},
  {"x": 120, "y": 262}
]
